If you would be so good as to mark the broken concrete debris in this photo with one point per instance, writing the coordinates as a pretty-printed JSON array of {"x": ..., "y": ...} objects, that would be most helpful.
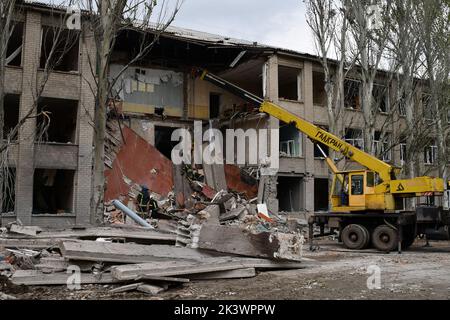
[
  {"x": 210, "y": 225},
  {"x": 224, "y": 240}
]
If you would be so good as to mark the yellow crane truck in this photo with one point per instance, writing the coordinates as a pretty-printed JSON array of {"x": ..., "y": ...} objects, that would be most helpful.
[{"x": 366, "y": 205}]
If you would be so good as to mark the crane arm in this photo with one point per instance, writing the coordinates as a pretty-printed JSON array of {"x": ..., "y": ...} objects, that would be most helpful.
[{"x": 315, "y": 133}]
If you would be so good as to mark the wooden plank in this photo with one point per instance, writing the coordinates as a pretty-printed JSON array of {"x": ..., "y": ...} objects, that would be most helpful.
[
  {"x": 101, "y": 232},
  {"x": 56, "y": 264},
  {"x": 164, "y": 279},
  {"x": 176, "y": 268},
  {"x": 230, "y": 274},
  {"x": 151, "y": 289},
  {"x": 30, "y": 243},
  {"x": 128, "y": 287},
  {"x": 126, "y": 252},
  {"x": 25, "y": 230},
  {"x": 36, "y": 277}
]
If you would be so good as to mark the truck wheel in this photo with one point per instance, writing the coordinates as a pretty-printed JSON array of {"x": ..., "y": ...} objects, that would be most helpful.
[
  {"x": 408, "y": 238},
  {"x": 355, "y": 237},
  {"x": 384, "y": 238}
]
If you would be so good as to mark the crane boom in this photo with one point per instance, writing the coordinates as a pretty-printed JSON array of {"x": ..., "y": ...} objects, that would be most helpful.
[{"x": 315, "y": 133}]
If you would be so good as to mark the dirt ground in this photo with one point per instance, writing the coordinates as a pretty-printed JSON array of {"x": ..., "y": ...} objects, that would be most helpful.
[{"x": 336, "y": 273}]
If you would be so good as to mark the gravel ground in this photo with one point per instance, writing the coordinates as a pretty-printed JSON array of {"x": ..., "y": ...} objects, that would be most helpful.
[{"x": 336, "y": 273}]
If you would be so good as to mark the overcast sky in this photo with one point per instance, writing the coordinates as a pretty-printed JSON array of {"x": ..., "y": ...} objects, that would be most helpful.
[{"x": 279, "y": 23}]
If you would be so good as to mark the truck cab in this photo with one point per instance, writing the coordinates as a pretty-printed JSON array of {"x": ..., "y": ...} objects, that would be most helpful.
[{"x": 359, "y": 190}]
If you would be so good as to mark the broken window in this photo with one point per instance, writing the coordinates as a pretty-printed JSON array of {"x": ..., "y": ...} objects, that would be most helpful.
[
  {"x": 214, "y": 105},
  {"x": 431, "y": 152},
  {"x": 147, "y": 91},
  {"x": 402, "y": 105},
  {"x": 351, "y": 94},
  {"x": 11, "y": 114},
  {"x": 357, "y": 185},
  {"x": 57, "y": 120},
  {"x": 403, "y": 150},
  {"x": 427, "y": 107},
  {"x": 14, "y": 49},
  {"x": 380, "y": 98},
  {"x": 163, "y": 140},
  {"x": 381, "y": 148},
  {"x": 289, "y": 83},
  {"x": 320, "y": 194},
  {"x": 290, "y": 141},
  {"x": 53, "y": 191},
  {"x": 8, "y": 188},
  {"x": 59, "y": 48},
  {"x": 355, "y": 138},
  {"x": 289, "y": 191},
  {"x": 319, "y": 94}
]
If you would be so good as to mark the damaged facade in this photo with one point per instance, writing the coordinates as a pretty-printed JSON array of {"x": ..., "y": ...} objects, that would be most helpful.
[
  {"x": 51, "y": 168},
  {"x": 152, "y": 98}
]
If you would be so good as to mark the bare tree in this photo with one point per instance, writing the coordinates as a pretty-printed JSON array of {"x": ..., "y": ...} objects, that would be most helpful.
[
  {"x": 368, "y": 46},
  {"x": 433, "y": 29},
  {"x": 329, "y": 25},
  {"x": 107, "y": 18}
]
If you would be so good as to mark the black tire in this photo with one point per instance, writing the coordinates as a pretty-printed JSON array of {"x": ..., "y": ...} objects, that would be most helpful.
[
  {"x": 355, "y": 237},
  {"x": 409, "y": 236},
  {"x": 384, "y": 238},
  {"x": 366, "y": 245}
]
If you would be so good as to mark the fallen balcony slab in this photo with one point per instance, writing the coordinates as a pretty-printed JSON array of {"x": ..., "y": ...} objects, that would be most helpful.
[{"x": 235, "y": 240}]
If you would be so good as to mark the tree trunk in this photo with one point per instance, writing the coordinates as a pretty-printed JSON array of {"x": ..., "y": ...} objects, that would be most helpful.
[{"x": 104, "y": 42}]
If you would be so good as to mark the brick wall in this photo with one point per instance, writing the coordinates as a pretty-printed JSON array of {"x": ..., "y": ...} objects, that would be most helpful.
[{"x": 28, "y": 156}]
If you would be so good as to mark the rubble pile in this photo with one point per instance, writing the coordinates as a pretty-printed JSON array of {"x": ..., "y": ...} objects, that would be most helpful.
[
  {"x": 193, "y": 233},
  {"x": 130, "y": 258}
]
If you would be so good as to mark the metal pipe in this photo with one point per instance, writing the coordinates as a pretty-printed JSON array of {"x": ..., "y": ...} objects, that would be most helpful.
[{"x": 133, "y": 215}]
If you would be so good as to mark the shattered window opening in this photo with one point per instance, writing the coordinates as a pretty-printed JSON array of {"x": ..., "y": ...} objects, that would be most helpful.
[
  {"x": 289, "y": 83},
  {"x": 352, "y": 94},
  {"x": 290, "y": 141},
  {"x": 289, "y": 191},
  {"x": 15, "y": 44},
  {"x": 53, "y": 191},
  {"x": 11, "y": 116},
  {"x": 431, "y": 152},
  {"x": 380, "y": 98},
  {"x": 65, "y": 47},
  {"x": 354, "y": 137},
  {"x": 8, "y": 188},
  {"x": 59, "y": 124},
  {"x": 382, "y": 148},
  {"x": 319, "y": 94}
]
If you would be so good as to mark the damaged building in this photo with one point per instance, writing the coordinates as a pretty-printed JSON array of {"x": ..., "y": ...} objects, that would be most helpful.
[
  {"x": 50, "y": 157},
  {"x": 157, "y": 95}
]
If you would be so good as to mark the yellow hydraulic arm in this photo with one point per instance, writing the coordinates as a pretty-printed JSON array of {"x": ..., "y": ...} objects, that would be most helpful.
[{"x": 386, "y": 172}]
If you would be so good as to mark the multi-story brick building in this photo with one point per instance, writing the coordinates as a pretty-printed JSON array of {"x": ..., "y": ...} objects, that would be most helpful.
[
  {"x": 61, "y": 160},
  {"x": 163, "y": 82}
]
